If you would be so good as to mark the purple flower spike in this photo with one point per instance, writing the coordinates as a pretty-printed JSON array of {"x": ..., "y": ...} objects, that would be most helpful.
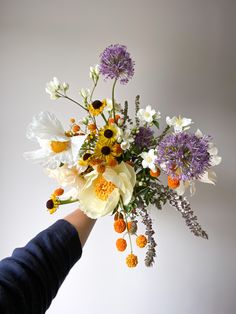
[
  {"x": 116, "y": 63},
  {"x": 144, "y": 137},
  {"x": 184, "y": 155}
]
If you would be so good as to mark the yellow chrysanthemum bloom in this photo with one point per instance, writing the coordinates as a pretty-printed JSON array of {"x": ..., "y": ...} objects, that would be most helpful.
[{"x": 96, "y": 107}]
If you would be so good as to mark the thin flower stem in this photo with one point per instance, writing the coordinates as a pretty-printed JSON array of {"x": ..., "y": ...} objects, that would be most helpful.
[
  {"x": 69, "y": 201},
  {"x": 130, "y": 242},
  {"x": 163, "y": 134},
  {"x": 113, "y": 100},
  {"x": 67, "y": 97},
  {"x": 94, "y": 86},
  {"x": 104, "y": 118}
]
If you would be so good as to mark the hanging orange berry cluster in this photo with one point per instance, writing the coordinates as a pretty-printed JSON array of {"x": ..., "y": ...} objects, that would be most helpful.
[{"x": 129, "y": 228}]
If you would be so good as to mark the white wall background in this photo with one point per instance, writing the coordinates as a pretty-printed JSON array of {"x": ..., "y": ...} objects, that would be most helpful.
[{"x": 185, "y": 63}]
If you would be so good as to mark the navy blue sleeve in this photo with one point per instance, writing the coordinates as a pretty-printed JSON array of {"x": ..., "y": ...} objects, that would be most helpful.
[{"x": 31, "y": 277}]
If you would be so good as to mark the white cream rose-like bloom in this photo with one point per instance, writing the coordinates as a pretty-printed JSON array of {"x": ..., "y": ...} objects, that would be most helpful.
[
  {"x": 55, "y": 146},
  {"x": 102, "y": 191},
  {"x": 68, "y": 177}
]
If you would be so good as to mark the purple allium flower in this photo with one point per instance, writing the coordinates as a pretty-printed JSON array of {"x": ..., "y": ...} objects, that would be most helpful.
[
  {"x": 184, "y": 155},
  {"x": 144, "y": 137},
  {"x": 116, "y": 63}
]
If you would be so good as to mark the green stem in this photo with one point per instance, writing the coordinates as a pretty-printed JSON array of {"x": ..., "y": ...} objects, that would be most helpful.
[
  {"x": 113, "y": 100},
  {"x": 67, "y": 97},
  {"x": 94, "y": 86},
  {"x": 69, "y": 201},
  {"x": 130, "y": 242},
  {"x": 104, "y": 118},
  {"x": 163, "y": 134}
]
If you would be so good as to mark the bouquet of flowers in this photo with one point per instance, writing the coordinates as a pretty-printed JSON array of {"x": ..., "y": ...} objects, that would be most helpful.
[{"x": 113, "y": 164}]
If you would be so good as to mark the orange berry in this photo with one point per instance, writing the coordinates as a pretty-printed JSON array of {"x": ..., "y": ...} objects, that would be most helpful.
[
  {"x": 117, "y": 149},
  {"x": 75, "y": 128},
  {"x": 95, "y": 162},
  {"x": 118, "y": 215},
  {"x": 131, "y": 260},
  {"x": 92, "y": 127},
  {"x": 141, "y": 241},
  {"x": 117, "y": 117},
  {"x": 111, "y": 120},
  {"x": 72, "y": 120},
  {"x": 173, "y": 183},
  {"x": 121, "y": 244},
  {"x": 132, "y": 227},
  {"x": 58, "y": 192},
  {"x": 119, "y": 225},
  {"x": 101, "y": 168},
  {"x": 112, "y": 162},
  {"x": 156, "y": 173}
]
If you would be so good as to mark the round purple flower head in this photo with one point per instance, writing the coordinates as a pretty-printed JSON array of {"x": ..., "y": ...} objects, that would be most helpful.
[
  {"x": 184, "y": 155},
  {"x": 116, "y": 63}
]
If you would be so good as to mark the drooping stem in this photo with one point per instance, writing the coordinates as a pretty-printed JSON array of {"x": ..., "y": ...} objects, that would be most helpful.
[{"x": 113, "y": 100}]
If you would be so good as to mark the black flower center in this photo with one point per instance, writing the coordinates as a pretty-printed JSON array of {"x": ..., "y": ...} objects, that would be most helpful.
[
  {"x": 86, "y": 156},
  {"x": 108, "y": 133},
  {"x": 96, "y": 104},
  {"x": 106, "y": 150},
  {"x": 50, "y": 204}
]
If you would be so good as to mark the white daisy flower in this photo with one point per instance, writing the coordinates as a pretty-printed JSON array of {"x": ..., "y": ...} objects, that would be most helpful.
[
  {"x": 148, "y": 114},
  {"x": 56, "y": 147},
  {"x": 179, "y": 123},
  {"x": 149, "y": 160}
]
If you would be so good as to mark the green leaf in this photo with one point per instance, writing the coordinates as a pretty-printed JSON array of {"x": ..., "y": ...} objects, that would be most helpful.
[{"x": 156, "y": 123}]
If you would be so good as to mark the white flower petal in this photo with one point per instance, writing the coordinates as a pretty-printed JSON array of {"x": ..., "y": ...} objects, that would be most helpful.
[
  {"x": 198, "y": 133},
  {"x": 45, "y": 125},
  {"x": 181, "y": 188},
  {"x": 208, "y": 177}
]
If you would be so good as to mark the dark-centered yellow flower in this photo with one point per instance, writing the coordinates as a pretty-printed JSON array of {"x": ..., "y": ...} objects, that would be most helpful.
[
  {"x": 96, "y": 107},
  {"x": 108, "y": 134},
  {"x": 105, "y": 151}
]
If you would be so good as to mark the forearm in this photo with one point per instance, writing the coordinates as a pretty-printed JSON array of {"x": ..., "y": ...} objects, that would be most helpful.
[{"x": 82, "y": 223}]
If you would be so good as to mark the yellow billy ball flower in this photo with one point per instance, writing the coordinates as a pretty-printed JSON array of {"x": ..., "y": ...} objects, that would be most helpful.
[
  {"x": 121, "y": 244},
  {"x": 141, "y": 241},
  {"x": 119, "y": 225},
  {"x": 132, "y": 260}
]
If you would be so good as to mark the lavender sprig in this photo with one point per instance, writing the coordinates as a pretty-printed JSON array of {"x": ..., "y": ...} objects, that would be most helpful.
[
  {"x": 183, "y": 206},
  {"x": 151, "y": 248}
]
